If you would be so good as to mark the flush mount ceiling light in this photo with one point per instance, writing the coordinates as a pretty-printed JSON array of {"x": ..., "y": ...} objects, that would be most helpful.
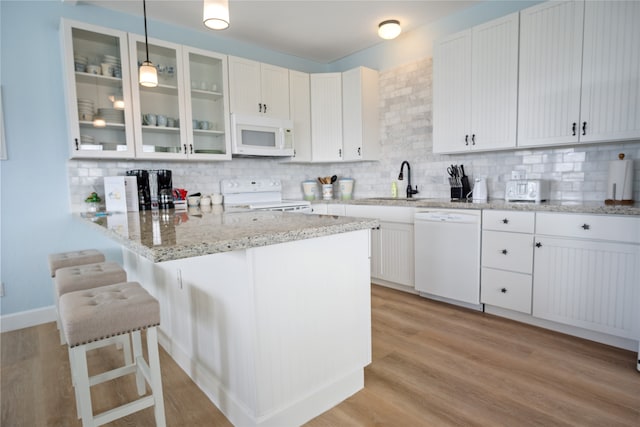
[
  {"x": 389, "y": 29},
  {"x": 148, "y": 75},
  {"x": 215, "y": 14}
]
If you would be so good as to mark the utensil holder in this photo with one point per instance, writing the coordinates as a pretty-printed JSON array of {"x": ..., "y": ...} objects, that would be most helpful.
[
  {"x": 466, "y": 188},
  {"x": 457, "y": 193}
]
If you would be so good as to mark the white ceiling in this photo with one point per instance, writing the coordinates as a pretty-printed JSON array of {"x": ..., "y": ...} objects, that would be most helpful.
[{"x": 318, "y": 30}]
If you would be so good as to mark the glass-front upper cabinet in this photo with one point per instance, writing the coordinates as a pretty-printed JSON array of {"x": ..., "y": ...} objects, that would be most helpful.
[
  {"x": 159, "y": 124},
  {"x": 207, "y": 104},
  {"x": 99, "y": 108}
]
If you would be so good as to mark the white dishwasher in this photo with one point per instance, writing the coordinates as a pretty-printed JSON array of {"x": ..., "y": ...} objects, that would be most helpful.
[{"x": 447, "y": 255}]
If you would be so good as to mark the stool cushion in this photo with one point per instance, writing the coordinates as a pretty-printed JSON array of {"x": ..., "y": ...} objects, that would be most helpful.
[
  {"x": 69, "y": 259},
  {"x": 103, "y": 312},
  {"x": 82, "y": 277}
]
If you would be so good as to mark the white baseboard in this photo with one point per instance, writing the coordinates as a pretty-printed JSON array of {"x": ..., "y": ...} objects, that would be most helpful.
[{"x": 28, "y": 318}]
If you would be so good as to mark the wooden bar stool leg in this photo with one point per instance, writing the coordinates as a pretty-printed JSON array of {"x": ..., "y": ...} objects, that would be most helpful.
[{"x": 156, "y": 378}]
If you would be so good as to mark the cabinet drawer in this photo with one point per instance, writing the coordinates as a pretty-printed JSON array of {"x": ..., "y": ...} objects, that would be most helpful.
[
  {"x": 507, "y": 251},
  {"x": 517, "y": 222},
  {"x": 506, "y": 289},
  {"x": 597, "y": 227}
]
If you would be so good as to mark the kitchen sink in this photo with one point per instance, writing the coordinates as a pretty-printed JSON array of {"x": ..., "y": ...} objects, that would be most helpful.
[{"x": 406, "y": 199}]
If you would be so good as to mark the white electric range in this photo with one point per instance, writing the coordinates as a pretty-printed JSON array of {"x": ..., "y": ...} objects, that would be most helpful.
[{"x": 259, "y": 194}]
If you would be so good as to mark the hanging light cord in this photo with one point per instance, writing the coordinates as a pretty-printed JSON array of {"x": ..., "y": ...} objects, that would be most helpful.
[{"x": 146, "y": 42}]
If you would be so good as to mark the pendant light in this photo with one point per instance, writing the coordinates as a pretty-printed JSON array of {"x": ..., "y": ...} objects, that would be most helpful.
[
  {"x": 215, "y": 14},
  {"x": 148, "y": 75},
  {"x": 389, "y": 29}
]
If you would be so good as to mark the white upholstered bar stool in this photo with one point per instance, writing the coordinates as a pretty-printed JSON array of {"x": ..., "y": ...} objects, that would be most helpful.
[
  {"x": 86, "y": 276},
  {"x": 70, "y": 259},
  {"x": 91, "y": 317}
]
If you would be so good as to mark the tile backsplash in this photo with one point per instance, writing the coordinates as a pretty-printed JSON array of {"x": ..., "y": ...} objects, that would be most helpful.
[{"x": 575, "y": 173}]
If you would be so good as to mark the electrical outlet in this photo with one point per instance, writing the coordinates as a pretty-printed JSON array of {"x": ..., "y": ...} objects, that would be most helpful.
[{"x": 1, "y": 289}]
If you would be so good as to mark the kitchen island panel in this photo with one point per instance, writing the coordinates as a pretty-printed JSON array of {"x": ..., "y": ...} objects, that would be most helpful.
[{"x": 274, "y": 335}]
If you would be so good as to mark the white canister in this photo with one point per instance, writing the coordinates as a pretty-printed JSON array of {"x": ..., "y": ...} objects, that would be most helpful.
[
  {"x": 309, "y": 189},
  {"x": 346, "y": 188},
  {"x": 327, "y": 191}
]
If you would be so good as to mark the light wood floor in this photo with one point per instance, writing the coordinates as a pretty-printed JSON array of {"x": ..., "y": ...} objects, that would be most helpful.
[{"x": 433, "y": 365}]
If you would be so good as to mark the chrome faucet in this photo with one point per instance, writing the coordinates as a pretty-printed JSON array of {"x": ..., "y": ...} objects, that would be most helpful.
[{"x": 410, "y": 190}]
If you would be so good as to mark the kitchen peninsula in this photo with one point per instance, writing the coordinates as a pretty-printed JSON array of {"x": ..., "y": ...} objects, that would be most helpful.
[{"x": 268, "y": 312}]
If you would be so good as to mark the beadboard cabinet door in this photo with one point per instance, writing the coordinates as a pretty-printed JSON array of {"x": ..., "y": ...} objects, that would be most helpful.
[
  {"x": 611, "y": 72},
  {"x": 300, "y": 109},
  {"x": 550, "y": 73},
  {"x": 258, "y": 89},
  {"x": 579, "y": 73},
  {"x": 326, "y": 116},
  {"x": 451, "y": 93},
  {"x": 590, "y": 284},
  {"x": 476, "y": 88}
]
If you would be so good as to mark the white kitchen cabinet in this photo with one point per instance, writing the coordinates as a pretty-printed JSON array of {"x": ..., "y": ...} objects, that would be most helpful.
[
  {"x": 258, "y": 89},
  {"x": 360, "y": 134},
  {"x": 154, "y": 141},
  {"x": 392, "y": 245},
  {"x": 300, "y": 109},
  {"x": 476, "y": 88},
  {"x": 206, "y": 104},
  {"x": 585, "y": 279},
  {"x": 507, "y": 259},
  {"x": 326, "y": 117},
  {"x": 579, "y": 73},
  {"x": 344, "y": 117},
  {"x": 89, "y": 95}
]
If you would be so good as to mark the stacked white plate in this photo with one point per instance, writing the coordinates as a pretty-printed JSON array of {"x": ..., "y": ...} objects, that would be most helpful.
[
  {"x": 80, "y": 63},
  {"x": 115, "y": 61},
  {"x": 111, "y": 115},
  {"x": 85, "y": 109}
]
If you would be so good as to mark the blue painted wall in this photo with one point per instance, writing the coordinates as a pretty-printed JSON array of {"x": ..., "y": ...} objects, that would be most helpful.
[{"x": 34, "y": 199}]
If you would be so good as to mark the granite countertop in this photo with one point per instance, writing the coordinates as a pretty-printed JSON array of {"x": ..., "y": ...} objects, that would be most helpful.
[
  {"x": 172, "y": 235},
  {"x": 551, "y": 206}
]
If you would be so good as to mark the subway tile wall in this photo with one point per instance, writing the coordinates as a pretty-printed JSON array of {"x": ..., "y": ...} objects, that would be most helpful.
[{"x": 575, "y": 173}]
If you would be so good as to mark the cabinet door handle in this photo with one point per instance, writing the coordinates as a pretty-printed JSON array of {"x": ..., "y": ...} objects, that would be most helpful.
[
  {"x": 190, "y": 148},
  {"x": 185, "y": 148},
  {"x": 340, "y": 152},
  {"x": 584, "y": 128},
  {"x": 77, "y": 145},
  {"x": 585, "y": 226},
  {"x": 505, "y": 221},
  {"x": 538, "y": 245},
  {"x": 504, "y": 251},
  {"x": 466, "y": 140},
  {"x": 359, "y": 151},
  {"x": 503, "y": 290},
  {"x": 573, "y": 129},
  {"x": 473, "y": 139},
  {"x": 260, "y": 107},
  {"x": 265, "y": 108}
]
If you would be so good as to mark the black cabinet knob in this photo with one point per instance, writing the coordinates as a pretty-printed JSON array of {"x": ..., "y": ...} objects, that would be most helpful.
[
  {"x": 584, "y": 128},
  {"x": 473, "y": 139},
  {"x": 505, "y": 221},
  {"x": 504, "y": 252},
  {"x": 503, "y": 290},
  {"x": 585, "y": 226},
  {"x": 573, "y": 129},
  {"x": 77, "y": 145},
  {"x": 538, "y": 245},
  {"x": 466, "y": 140}
]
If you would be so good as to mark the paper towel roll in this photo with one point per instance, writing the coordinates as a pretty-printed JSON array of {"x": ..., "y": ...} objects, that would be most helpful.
[{"x": 620, "y": 182}]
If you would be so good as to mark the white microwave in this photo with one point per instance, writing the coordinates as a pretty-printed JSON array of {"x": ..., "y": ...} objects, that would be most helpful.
[{"x": 261, "y": 136}]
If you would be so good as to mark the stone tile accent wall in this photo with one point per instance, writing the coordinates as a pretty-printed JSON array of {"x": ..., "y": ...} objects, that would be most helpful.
[{"x": 576, "y": 173}]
